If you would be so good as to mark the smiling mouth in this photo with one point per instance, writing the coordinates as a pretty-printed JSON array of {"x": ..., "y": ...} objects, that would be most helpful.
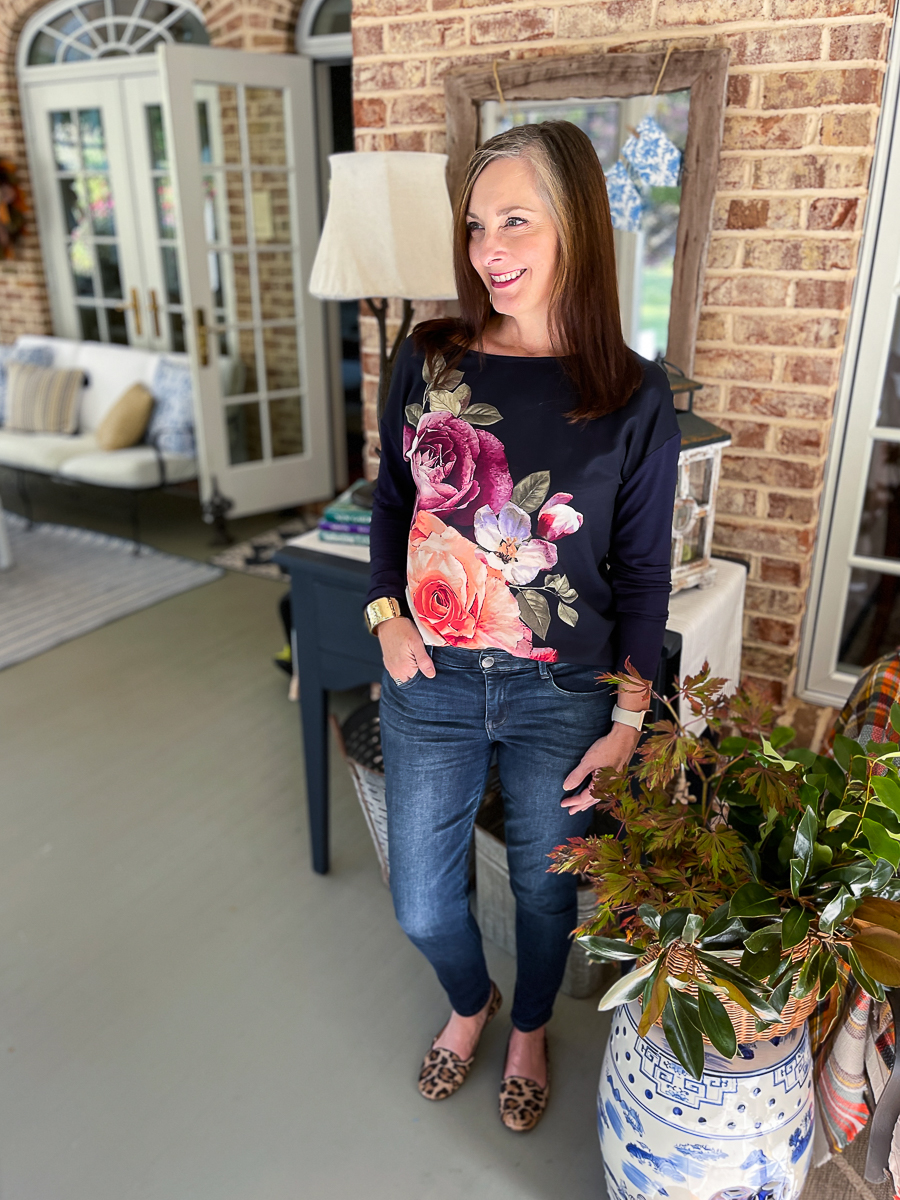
[{"x": 509, "y": 277}]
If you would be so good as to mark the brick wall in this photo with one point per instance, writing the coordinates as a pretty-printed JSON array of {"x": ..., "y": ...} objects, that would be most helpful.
[
  {"x": 804, "y": 87},
  {"x": 265, "y": 25}
]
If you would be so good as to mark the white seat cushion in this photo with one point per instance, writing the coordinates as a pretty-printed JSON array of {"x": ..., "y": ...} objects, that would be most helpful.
[
  {"x": 42, "y": 451},
  {"x": 136, "y": 467},
  {"x": 110, "y": 370}
]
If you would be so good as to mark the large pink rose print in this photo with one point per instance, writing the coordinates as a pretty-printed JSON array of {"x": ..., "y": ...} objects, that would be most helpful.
[
  {"x": 456, "y": 596},
  {"x": 456, "y": 468}
]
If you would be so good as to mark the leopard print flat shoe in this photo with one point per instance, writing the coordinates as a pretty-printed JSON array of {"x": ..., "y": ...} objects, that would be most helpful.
[
  {"x": 444, "y": 1072},
  {"x": 522, "y": 1101}
]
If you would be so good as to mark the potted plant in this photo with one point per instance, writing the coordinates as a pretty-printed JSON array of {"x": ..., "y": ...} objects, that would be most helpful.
[
  {"x": 743, "y": 880},
  {"x": 766, "y": 850}
]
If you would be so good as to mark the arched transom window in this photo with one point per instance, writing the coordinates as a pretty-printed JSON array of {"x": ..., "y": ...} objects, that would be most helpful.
[{"x": 69, "y": 33}]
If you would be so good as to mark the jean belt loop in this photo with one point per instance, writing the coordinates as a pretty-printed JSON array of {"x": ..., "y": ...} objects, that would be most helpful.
[{"x": 543, "y": 669}]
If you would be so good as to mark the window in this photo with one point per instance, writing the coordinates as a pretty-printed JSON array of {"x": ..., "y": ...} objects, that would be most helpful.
[
  {"x": 323, "y": 31},
  {"x": 69, "y": 33}
]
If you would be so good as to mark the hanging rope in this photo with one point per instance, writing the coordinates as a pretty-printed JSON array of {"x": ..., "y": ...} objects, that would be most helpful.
[
  {"x": 499, "y": 88},
  {"x": 659, "y": 77}
]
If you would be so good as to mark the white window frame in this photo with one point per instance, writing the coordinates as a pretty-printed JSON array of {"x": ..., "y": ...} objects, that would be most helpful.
[
  {"x": 819, "y": 678},
  {"x": 333, "y": 47}
]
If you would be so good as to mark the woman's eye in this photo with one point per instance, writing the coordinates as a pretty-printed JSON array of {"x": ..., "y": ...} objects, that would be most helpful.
[
  {"x": 515, "y": 220},
  {"x": 472, "y": 226}
]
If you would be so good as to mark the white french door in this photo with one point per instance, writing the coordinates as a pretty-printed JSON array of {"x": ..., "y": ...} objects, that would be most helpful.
[{"x": 241, "y": 133}]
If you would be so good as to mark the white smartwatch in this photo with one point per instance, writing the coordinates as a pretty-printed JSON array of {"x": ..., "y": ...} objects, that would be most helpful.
[{"x": 626, "y": 717}]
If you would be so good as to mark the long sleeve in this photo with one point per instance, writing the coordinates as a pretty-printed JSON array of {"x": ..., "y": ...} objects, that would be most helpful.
[
  {"x": 395, "y": 492},
  {"x": 639, "y": 560}
]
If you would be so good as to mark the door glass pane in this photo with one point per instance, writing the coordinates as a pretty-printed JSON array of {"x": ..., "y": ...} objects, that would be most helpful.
[
  {"x": 82, "y": 262},
  {"x": 218, "y": 123},
  {"x": 282, "y": 365},
  {"x": 176, "y": 331},
  {"x": 271, "y": 207},
  {"x": 159, "y": 159},
  {"x": 170, "y": 274},
  {"x": 118, "y": 327},
  {"x": 286, "y": 425},
  {"x": 100, "y": 204},
  {"x": 166, "y": 229},
  {"x": 879, "y": 527},
  {"x": 73, "y": 213},
  {"x": 110, "y": 278},
  {"x": 165, "y": 208},
  {"x": 90, "y": 324},
  {"x": 236, "y": 293},
  {"x": 244, "y": 433},
  {"x": 65, "y": 141},
  {"x": 871, "y": 619},
  {"x": 93, "y": 143},
  {"x": 276, "y": 285},
  {"x": 889, "y": 413},
  {"x": 265, "y": 126}
]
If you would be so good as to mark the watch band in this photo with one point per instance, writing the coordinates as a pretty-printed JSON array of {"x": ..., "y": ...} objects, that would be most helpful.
[
  {"x": 625, "y": 716},
  {"x": 380, "y": 610}
]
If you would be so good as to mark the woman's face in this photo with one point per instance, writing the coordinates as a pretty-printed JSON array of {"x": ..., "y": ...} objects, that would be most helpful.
[{"x": 513, "y": 244}]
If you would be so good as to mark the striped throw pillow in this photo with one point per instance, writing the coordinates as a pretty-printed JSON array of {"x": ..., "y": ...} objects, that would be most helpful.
[{"x": 42, "y": 399}]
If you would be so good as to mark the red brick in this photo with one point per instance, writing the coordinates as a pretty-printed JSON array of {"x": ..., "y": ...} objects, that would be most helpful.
[
  {"x": 774, "y": 664},
  {"x": 369, "y": 112},
  {"x": 439, "y": 33},
  {"x": 707, "y": 12},
  {"x": 800, "y": 254},
  {"x": 789, "y": 172},
  {"x": 367, "y": 39},
  {"x": 775, "y": 212},
  {"x": 822, "y": 293},
  {"x": 798, "y": 10},
  {"x": 753, "y": 291},
  {"x": 744, "y": 365},
  {"x": 808, "y": 440},
  {"x": 823, "y": 332},
  {"x": 770, "y": 472},
  {"x": 832, "y": 213},
  {"x": 857, "y": 41},
  {"x": 517, "y": 26},
  {"x": 591, "y": 20},
  {"x": 846, "y": 129},
  {"x": 723, "y": 253},
  {"x": 387, "y": 8},
  {"x": 773, "y": 691},
  {"x": 392, "y": 76},
  {"x": 777, "y": 601},
  {"x": 748, "y": 214},
  {"x": 713, "y": 327},
  {"x": 745, "y": 435},
  {"x": 816, "y": 372},
  {"x": 762, "y": 537},
  {"x": 417, "y": 110},
  {"x": 782, "y": 572},
  {"x": 732, "y": 173},
  {"x": 738, "y": 90},
  {"x": 738, "y": 502},
  {"x": 787, "y": 132},
  {"x": 811, "y": 89},
  {"x": 783, "y": 506},
  {"x": 765, "y": 403},
  {"x": 770, "y": 629},
  {"x": 776, "y": 45}
]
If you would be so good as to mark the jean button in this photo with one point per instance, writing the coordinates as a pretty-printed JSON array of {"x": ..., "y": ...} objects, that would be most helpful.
[{"x": 487, "y": 662}]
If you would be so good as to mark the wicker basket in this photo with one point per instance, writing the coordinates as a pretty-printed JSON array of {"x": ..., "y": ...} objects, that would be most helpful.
[
  {"x": 795, "y": 1011},
  {"x": 359, "y": 739}
]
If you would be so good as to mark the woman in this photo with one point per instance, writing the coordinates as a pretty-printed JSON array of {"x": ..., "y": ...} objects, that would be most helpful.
[{"x": 520, "y": 546}]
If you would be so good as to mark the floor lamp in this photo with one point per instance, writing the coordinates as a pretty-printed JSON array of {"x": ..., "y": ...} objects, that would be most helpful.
[{"x": 387, "y": 233}]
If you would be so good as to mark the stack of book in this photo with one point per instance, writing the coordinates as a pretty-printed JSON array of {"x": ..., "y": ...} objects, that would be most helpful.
[{"x": 344, "y": 521}]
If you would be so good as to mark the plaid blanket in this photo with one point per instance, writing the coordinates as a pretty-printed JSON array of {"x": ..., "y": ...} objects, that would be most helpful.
[{"x": 866, "y": 715}]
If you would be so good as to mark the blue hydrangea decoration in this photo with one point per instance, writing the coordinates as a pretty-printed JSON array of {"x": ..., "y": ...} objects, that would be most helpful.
[
  {"x": 172, "y": 423},
  {"x": 625, "y": 203},
  {"x": 655, "y": 158}
]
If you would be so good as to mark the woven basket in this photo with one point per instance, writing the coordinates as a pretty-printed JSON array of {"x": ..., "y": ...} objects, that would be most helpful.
[
  {"x": 795, "y": 1011},
  {"x": 359, "y": 739}
]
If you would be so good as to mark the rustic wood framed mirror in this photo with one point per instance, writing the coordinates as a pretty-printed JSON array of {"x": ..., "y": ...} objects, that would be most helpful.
[{"x": 481, "y": 100}]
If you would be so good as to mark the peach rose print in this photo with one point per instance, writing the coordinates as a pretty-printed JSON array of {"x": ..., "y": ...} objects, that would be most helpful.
[{"x": 456, "y": 596}]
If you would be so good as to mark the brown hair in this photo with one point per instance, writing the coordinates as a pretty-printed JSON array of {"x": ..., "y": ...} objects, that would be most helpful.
[{"x": 584, "y": 303}]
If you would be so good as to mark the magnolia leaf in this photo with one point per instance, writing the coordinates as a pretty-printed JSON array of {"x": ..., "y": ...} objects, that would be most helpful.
[
  {"x": 794, "y": 927},
  {"x": 753, "y": 900},
  {"x": 414, "y": 413},
  {"x": 845, "y": 750},
  {"x": 683, "y": 1035},
  {"x": 656, "y": 993},
  {"x": 877, "y": 881},
  {"x": 692, "y": 927},
  {"x": 880, "y": 841},
  {"x": 862, "y": 977},
  {"x": 531, "y": 492},
  {"x": 569, "y": 615},
  {"x": 827, "y": 974},
  {"x": 480, "y": 414},
  {"x": 717, "y": 1024},
  {"x": 649, "y": 916},
  {"x": 769, "y": 935},
  {"x": 878, "y": 949},
  {"x": 804, "y": 841},
  {"x": 629, "y": 987},
  {"x": 836, "y": 910},
  {"x": 672, "y": 924},
  {"x": 806, "y": 980},
  {"x": 612, "y": 949},
  {"x": 879, "y": 912},
  {"x": 762, "y": 963},
  {"x": 781, "y": 994},
  {"x": 534, "y": 611}
]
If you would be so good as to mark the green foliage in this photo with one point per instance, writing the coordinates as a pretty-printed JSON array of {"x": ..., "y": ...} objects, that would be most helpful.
[{"x": 732, "y": 853}]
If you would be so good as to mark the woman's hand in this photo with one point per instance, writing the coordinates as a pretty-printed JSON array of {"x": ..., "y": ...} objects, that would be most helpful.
[
  {"x": 614, "y": 750},
  {"x": 403, "y": 650}
]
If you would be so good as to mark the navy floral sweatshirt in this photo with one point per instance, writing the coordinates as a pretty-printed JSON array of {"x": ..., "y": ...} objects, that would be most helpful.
[{"x": 506, "y": 526}]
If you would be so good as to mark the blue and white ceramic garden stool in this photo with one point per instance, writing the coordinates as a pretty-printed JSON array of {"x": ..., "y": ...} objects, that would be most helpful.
[{"x": 743, "y": 1130}]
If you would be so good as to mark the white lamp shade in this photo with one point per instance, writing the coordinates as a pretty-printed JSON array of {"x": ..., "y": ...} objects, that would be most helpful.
[{"x": 388, "y": 229}]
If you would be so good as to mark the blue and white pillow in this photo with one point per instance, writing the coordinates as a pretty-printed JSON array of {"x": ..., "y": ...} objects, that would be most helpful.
[
  {"x": 625, "y": 204},
  {"x": 653, "y": 155},
  {"x": 38, "y": 356},
  {"x": 172, "y": 424}
]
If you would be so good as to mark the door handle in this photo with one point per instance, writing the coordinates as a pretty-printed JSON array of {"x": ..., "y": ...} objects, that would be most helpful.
[
  {"x": 135, "y": 308},
  {"x": 154, "y": 311},
  {"x": 203, "y": 332}
]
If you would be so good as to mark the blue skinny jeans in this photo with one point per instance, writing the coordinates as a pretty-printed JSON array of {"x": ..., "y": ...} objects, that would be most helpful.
[{"x": 438, "y": 736}]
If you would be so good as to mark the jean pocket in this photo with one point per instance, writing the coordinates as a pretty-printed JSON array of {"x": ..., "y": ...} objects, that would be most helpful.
[
  {"x": 576, "y": 682},
  {"x": 402, "y": 684}
]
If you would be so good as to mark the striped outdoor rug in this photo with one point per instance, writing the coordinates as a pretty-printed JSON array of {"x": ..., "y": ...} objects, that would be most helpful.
[{"x": 66, "y": 582}]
